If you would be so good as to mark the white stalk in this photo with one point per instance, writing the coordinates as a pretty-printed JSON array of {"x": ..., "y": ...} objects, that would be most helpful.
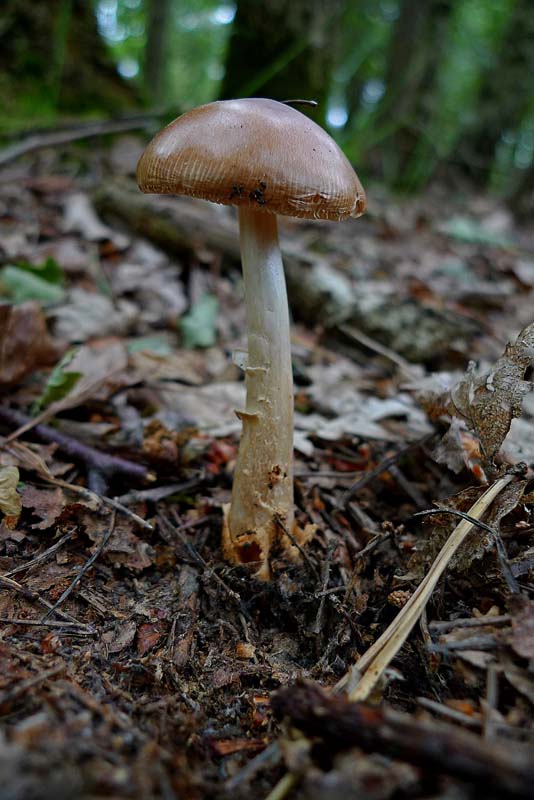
[{"x": 263, "y": 481}]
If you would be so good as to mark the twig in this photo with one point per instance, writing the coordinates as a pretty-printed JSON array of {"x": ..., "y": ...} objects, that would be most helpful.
[
  {"x": 471, "y": 722},
  {"x": 280, "y": 524},
  {"x": 84, "y": 131},
  {"x": 316, "y": 629},
  {"x": 450, "y": 713},
  {"x": 179, "y": 531},
  {"x": 71, "y": 628},
  {"x": 383, "y": 466},
  {"x": 88, "y": 564},
  {"x": 159, "y": 492},
  {"x": 112, "y": 502},
  {"x": 412, "y": 491},
  {"x": 502, "y": 555},
  {"x": 375, "y": 661},
  {"x": 102, "y": 462},
  {"x": 268, "y": 758},
  {"x": 488, "y": 642},
  {"x": 441, "y": 626},
  {"x": 23, "y": 686},
  {"x": 508, "y": 770},
  {"x": 41, "y": 557},
  {"x": 283, "y": 787},
  {"x": 359, "y": 336},
  {"x": 492, "y": 700},
  {"x": 33, "y": 597}
]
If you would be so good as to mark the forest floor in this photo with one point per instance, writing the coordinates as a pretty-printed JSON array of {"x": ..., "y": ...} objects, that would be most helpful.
[{"x": 134, "y": 661}]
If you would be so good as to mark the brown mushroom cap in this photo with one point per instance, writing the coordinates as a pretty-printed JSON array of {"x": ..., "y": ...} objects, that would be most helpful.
[{"x": 254, "y": 152}]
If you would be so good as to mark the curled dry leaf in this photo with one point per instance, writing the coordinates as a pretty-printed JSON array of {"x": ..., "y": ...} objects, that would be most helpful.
[
  {"x": 487, "y": 402},
  {"x": 478, "y": 542},
  {"x": 25, "y": 344},
  {"x": 10, "y": 500}
]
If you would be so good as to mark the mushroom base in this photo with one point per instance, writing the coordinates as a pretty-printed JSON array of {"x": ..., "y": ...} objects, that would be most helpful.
[{"x": 262, "y": 496}]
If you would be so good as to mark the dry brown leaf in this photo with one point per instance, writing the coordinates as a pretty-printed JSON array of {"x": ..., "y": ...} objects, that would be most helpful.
[
  {"x": 489, "y": 402},
  {"x": 10, "y": 499},
  {"x": 48, "y": 504},
  {"x": 25, "y": 344},
  {"x": 478, "y": 541},
  {"x": 120, "y": 636},
  {"x": 148, "y": 636}
]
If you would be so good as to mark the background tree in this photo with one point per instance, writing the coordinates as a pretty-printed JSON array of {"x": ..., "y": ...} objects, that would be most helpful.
[
  {"x": 414, "y": 56},
  {"x": 283, "y": 50},
  {"x": 159, "y": 20},
  {"x": 53, "y": 58}
]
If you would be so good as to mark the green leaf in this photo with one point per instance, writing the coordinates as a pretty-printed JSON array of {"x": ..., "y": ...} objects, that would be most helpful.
[
  {"x": 59, "y": 384},
  {"x": 198, "y": 325},
  {"x": 150, "y": 344},
  {"x": 48, "y": 271},
  {"x": 20, "y": 285},
  {"x": 468, "y": 230}
]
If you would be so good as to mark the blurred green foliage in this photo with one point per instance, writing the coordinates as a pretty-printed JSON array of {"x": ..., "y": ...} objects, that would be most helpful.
[
  {"x": 196, "y": 44},
  {"x": 457, "y": 94}
]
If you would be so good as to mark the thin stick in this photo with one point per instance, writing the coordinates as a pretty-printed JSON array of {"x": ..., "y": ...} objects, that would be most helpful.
[
  {"x": 502, "y": 555},
  {"x": 359, "y": 336},
  {"x": 383, "y": 467},
  {"x": 85, "y": 131},
  {"x": 267, "y": 758},
  {"x": 441, "y": 626},
  {"x": 70, "y": 628},
  {"x": 33, "y": 597},
  {"x": 374, "y": 662},
  {"x": 191, "y": 549},
  {"x": 42, "y": 557},
  {"x": 23, "y": 686},
  {"x": 283, "y": 787},
  {"x": 88, "y": 564}
]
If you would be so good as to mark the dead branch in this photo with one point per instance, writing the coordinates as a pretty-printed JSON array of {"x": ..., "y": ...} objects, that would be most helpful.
[
  {"x": 84, "y": 130},
  {"x": 102, "y": 463}
]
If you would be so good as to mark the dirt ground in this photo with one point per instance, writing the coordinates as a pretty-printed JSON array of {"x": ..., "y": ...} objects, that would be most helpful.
[{"x": 134, "y": 661}]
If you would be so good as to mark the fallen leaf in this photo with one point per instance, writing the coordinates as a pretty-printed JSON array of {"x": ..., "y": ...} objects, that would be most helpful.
[
  {"x": 87, "y": 315},
  {"x": 120, "y": 636},
  {"x": 24, "y": 342},
  {"x": 10, "y": 499},
  {"x": 48, "y": 504},
  {"x": 80, "y": 217},
  {"x": 198, "y": 325},
  {"x": 60, "y": 382},
  {"x": 148, "y": 636},
  {"x": 490, "y": 401}
]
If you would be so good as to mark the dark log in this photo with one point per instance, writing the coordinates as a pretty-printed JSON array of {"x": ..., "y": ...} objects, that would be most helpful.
[{"x": 500, "y": 768}]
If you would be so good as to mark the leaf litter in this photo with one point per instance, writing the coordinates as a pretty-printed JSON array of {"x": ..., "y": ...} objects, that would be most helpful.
[{"x": 153, "y": 676}]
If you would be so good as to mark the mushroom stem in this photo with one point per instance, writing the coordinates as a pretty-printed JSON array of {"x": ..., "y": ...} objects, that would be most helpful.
[{"x": 263, "y": 481}]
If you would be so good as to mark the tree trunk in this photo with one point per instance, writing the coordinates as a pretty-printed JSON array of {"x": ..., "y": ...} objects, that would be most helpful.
[
  {"x": 283, "y": 51},
  {"x": 414, "y": 55},
  {"x": 156, "y": 50},
  {"x": 56, "y": 59},
  {"x": 506, "y": 93}
]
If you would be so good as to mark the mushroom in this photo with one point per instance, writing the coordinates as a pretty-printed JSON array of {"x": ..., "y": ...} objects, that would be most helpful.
[{"x": 266, "y": 158}]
